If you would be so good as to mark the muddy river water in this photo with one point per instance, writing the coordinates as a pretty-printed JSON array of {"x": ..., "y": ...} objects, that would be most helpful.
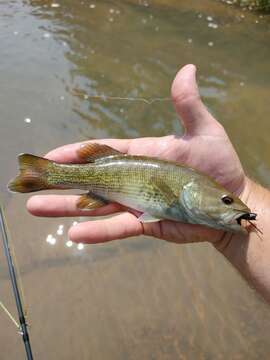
[{"x": 61, "y": 63}]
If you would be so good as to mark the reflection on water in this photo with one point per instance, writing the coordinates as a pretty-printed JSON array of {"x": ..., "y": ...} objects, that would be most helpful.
[{"x": 65, "y": 68}]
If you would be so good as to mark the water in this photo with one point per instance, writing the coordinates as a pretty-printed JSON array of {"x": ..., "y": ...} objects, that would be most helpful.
[{"x": 139, "y": 298}]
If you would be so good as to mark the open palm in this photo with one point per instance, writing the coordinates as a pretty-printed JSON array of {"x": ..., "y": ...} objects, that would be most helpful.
[{"x": 204, "y": 146}]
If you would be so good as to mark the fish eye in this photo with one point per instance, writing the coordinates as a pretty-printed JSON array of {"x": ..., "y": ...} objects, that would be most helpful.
[{"x": 227, "y": 199}]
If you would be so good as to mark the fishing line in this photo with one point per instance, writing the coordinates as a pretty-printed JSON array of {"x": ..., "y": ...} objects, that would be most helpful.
[
  {"x": 120, "y": 98},
  {"x": 255, "y": 227},
  {"x": 146, "y": 101},
  {"x": 16, "y": 288},
  {"x": 12, "y": 318}
]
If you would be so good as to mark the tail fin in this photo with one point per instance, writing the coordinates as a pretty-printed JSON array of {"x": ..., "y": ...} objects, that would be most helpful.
[{"x": 33, "y": 174}]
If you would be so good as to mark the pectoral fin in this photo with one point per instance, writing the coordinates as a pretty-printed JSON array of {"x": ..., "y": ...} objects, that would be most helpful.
[
  {"x": 90, "y": 201},
  {"x": 146, "y": 218},
  {"x": 164, "y": 190},
  {"x": 165, "y": 194}
]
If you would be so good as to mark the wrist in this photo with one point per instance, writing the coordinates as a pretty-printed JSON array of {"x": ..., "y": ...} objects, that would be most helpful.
[{"x": 250, "y": 253}]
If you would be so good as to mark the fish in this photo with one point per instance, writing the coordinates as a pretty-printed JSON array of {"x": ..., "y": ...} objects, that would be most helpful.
[{"x": 156, "y": 188}]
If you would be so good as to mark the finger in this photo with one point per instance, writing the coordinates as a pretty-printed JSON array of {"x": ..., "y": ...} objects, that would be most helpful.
[
  {"x": 68, "y": 153},
  {"x": 99, "y": 231},
  {"x": 182, "y": 233},
  {"x": 65, "y": 205},
  {"x": 185, "y": 94}
]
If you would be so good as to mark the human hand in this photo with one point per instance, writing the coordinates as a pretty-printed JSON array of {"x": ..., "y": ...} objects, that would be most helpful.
[{"x": 204, "y": 146}]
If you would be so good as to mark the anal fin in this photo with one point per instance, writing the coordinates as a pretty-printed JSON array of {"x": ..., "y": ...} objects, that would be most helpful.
[
  {"x": 147, "y": 218},
  {"x": 90, "y": 201}
]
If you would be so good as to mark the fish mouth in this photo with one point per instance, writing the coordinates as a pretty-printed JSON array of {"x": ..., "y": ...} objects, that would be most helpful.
[{"x": 246, "y": 216}]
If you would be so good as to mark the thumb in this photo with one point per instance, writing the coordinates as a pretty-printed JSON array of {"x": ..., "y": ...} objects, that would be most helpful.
[{"x": 185, "y": 94}]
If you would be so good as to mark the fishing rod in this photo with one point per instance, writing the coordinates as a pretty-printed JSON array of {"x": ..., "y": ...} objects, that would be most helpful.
[{"x": 13, "y": 278}]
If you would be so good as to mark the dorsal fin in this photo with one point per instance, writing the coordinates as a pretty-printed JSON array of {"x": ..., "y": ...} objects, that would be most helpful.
[{"x": 91, "y": 152}]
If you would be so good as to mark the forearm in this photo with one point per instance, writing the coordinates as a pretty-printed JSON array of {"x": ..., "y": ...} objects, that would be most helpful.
[{"x": 251, "y": 254}]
